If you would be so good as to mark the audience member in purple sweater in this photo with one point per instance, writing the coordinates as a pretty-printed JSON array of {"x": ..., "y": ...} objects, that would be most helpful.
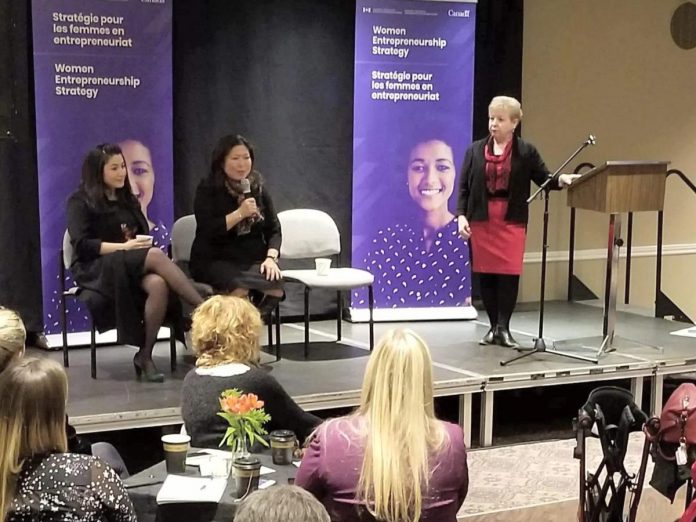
[
  {"x": 225, "y": 337},
  {"x": 391, "y": 460}
]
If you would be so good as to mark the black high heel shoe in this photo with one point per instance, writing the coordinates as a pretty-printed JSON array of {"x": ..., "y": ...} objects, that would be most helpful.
[
  {"x": 490, "y": 337},
  {"x": 149, "y": 369},
  {"x": 505, "y": 338}
]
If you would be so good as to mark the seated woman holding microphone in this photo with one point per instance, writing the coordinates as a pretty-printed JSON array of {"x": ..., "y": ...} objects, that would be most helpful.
[
  {"x": 238, "y": 234},
  {"x": 125, "y": 281}
]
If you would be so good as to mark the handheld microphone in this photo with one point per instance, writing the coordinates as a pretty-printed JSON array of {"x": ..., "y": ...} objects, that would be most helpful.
[
  {"x": 591, "y": 140},
  {"x": 246, "y": 188}
]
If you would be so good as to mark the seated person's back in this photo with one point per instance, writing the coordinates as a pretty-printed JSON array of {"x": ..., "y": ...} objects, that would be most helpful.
[
  {"x": 69, "y": 486},
  {"x": 391, "y": 460},
  {"x": 41, "y": 481},
  {"x": 225, "y": 337}
]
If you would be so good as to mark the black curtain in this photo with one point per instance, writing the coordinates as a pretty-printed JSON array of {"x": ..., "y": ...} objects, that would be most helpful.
[
  {"x": 20, "y": 262},
  {"x": 498, "y": 66},
  {"x": 282, "y": 73},
  {"x": 277, "y": 71}
]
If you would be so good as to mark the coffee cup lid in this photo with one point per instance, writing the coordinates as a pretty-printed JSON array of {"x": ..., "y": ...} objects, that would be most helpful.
[
  {"x": 247, "y": 463},
  {"x": 176, "y": 438},
  {"x": 283, "y": 434}
]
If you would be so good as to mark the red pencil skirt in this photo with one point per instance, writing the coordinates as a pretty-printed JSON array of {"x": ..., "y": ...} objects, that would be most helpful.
[{"x": 497, "y": 246}]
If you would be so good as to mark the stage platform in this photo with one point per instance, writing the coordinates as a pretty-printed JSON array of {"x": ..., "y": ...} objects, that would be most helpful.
[{"x": 332, "y": 375}]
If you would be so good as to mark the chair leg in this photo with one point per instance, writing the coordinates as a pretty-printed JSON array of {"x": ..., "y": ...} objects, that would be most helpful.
[
  {"x": 269, "y": 327},
  {"x": 371, "y": 300},
  {"x": 93, "y": 349},
  {"x": 339, "y": 316},
  {"x": 306, "y": 322},
  {"x": 277, "y": 336},
  {"x": 172, "y": 349},
  {"x": 64, "y": 330}
]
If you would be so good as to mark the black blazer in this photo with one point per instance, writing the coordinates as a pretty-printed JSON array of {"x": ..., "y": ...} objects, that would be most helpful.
[
  {"x": 214, "y": 242},
  {"x": 526, "y": 166},
  {"x": 89, "y": 226}
]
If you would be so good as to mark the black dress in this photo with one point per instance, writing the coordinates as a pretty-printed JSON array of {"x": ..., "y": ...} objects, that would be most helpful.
[
  {"x": 111, "y": 284},
  {"x": 223, "y": 258},
  {"x": 67, "y": 487}
]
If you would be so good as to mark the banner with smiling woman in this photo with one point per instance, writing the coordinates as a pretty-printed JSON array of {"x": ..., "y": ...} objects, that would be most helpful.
[
  {"x": 413, "y": 99},
  {"x": 102, "y": 73}
]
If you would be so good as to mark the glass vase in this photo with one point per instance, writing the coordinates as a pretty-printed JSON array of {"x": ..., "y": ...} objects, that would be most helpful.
[{"x": 240, "y": 449}]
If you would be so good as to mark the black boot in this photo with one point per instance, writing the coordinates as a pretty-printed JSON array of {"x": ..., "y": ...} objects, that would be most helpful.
[
  {"x": 490, "y": 337},
  {"x": 505, "y": 338}
]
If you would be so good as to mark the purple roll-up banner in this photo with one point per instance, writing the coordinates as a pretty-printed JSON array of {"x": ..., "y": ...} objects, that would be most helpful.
[
  {"x": 103, "y": 74},
  {"x": 413, "y": 99}
]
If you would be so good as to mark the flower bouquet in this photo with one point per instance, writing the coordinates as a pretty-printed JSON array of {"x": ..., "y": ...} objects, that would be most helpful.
[{"x": 245, "y": 414}]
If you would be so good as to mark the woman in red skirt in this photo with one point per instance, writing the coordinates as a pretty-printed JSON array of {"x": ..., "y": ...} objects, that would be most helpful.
[{"x": 492, "y": 211}]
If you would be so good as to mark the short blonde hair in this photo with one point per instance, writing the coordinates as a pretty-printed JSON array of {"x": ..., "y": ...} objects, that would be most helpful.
[
  {"x": 13, "y": 336},
  {"x": 226, "y": 329},
  {"x": 509, "y": 104},
  {"x": 32, "y": 417}
]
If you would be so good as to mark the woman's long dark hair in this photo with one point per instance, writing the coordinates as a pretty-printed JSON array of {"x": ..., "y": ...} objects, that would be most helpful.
[
  {"x": 224, "y": 145},
  {"x": 92, "y": 184}
]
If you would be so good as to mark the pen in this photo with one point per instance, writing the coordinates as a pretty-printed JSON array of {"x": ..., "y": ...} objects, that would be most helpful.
[{"x": 143, "y": 484}]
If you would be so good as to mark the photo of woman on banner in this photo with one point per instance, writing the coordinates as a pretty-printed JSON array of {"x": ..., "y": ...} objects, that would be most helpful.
[
  {"x": 141, "y": 175},
  {"x": 421, "y": 261},
  {"x": 492, "y": 211}
]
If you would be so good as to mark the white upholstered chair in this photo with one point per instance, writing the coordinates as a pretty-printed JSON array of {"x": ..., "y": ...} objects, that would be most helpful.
[{"x": 311, "y": 234}]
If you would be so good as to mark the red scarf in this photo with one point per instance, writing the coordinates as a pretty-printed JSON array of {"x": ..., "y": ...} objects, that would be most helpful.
[{"x": 497, "y": 168}]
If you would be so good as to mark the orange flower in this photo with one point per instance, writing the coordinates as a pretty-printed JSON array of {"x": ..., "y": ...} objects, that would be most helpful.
[{"x": 240, "y": 405}]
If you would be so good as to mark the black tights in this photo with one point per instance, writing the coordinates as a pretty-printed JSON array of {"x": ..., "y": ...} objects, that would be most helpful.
[
  {"x": 499, "y": 296},
  {"x": 161, "y": 275}
]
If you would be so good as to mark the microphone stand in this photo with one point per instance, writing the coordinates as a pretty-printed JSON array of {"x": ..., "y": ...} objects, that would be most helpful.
[{"x": 539, "y": 343}]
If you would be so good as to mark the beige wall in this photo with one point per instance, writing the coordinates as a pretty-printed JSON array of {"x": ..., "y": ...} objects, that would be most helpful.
[{"x": 610, "y": 67}]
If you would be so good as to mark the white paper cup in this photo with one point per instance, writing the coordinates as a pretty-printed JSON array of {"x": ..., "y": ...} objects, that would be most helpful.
[
  {"x": 323, "y": 266},
  {"x": 143, "y": 237}
]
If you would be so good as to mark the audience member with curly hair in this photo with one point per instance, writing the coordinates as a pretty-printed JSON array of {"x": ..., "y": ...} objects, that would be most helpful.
[{"x": 225, "y": 337}]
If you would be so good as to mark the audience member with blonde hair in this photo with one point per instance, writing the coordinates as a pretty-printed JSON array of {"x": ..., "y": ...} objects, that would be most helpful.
[
  {"x": 13, "y": 337},
  {"x": 12, "y": 346},
  {"x": 225, "y": 337},
  {"x": 281, "y": 504},
  {"x": 38, "y": 479},
  {"x": 391, "y": 460}
]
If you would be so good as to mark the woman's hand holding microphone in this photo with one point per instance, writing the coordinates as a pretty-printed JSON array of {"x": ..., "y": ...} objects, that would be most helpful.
[{"x": 248, "y": 208}]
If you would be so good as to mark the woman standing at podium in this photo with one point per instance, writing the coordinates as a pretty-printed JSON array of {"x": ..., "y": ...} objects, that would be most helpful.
[{"x": 492, "y": 211}]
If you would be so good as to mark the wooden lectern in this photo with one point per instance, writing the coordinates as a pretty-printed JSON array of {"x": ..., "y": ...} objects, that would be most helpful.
[{"x": 614, "y": 188}]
